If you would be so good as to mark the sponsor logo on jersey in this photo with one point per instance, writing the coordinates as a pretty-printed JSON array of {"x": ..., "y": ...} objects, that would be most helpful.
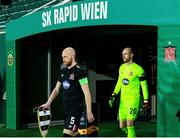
[
  {"x": 125, "y": 81},
  {"x": 66, "y": 84}
]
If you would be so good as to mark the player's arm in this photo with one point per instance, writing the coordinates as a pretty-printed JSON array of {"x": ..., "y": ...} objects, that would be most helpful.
[
  {"x": 144, "y": 109},
  {"x": 116, "y": 90},
  {"x": 53, "y": 95},
  {"x": 118, "y": 86},
  {"x": 119, "y": 82},
  {"x": 87, "y": 94},
  {"x": 144, "y": 86}
]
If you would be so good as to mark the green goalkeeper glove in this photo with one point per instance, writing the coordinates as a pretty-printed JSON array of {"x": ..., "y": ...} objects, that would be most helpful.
[
  {"x": 111, "y": 100},
  {"x": 144, "y": 110}
]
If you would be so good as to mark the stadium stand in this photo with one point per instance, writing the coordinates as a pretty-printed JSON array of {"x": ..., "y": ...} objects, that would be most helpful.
[{"x": 19, "y": 8}]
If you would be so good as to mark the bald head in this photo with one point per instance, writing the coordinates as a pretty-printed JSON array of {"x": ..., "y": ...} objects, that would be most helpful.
[
  {"x": 68, "y": 55},
  {"x": 70, "y": 51},
  {"x": 127, "y": 55},
  {"x": 128, "y": 49}
]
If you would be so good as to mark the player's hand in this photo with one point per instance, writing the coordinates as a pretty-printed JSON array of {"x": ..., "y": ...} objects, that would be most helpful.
[
  {"x": 146, "y": 104},
  {"x": 90, "y": 117},
  {"x": 111, "y": 100},
  {"x": 145, "y": 108},
  {"x": 44, "y": 106}
]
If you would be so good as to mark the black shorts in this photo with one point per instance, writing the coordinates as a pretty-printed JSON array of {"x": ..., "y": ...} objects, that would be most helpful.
[{"x": 72, "y": 121}]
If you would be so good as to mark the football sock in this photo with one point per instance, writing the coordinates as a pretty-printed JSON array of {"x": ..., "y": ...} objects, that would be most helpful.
[
  {"x": 131, "y": 131},
  {"x": 125, "y": 130}
]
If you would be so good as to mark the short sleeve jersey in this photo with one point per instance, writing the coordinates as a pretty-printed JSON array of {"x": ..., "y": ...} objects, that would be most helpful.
[
  {"x": 71, "y": 88},
  {"x": 128, "y": 81}
]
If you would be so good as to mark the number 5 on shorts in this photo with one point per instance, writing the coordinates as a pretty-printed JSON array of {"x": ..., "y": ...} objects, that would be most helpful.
[{"x": 72, "y": 120}]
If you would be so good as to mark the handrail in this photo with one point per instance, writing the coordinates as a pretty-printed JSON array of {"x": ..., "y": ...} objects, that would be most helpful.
[
  {"x": 62, "y": 2},
  {"x": 40, "y": 7}
]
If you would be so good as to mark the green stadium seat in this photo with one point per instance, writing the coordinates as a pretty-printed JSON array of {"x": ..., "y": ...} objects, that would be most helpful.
[
  {"x": 3, "y": 18},
  {"x": 2, "y": 12},
  {"x": 18, "y": 8},
  {"x": 2, "y": 23}
]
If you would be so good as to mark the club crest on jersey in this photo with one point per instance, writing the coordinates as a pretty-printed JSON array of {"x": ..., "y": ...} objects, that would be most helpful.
[
  {"x": 71, "y": 77},
  {"x": 170, "y": 54},
  {"x": 125, "y": 81},
  {"x": 130, "y": 73},
  {"x": 66, "y": 84}
]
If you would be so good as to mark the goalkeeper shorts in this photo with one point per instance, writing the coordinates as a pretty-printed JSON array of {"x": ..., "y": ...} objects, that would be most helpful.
[{"x": 128, "y": 108}]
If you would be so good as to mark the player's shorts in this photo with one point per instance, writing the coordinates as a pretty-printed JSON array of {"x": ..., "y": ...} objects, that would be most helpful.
[
  {"x": 128, "y": 108},
  {"x": 72, "y": 122}
]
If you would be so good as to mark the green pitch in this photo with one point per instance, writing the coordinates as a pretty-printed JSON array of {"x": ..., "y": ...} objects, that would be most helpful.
[{"x": 107, "y": 129}]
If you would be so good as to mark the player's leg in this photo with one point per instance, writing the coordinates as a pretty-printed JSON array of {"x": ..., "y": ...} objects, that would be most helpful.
[
  {"x": 123, "y": 125},
  {"x": 71, "y": 125},
  {"x": 130, "y": 128},
  {"x": 133, "y": 108},
  {"x": 122, "y": 116}
]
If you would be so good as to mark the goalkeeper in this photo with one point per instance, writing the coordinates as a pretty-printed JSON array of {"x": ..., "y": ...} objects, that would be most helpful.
[{"x": 131, "y": 76}]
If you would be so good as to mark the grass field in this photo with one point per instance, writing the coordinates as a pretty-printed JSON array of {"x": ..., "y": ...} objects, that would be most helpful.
[{"x": 107, "y": 129}]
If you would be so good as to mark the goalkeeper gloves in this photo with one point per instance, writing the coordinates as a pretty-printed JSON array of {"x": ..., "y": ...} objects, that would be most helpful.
[
  {"x": 146, "y": 104},
  {"x": 145, "y": 108},
  {"x": 111, "y": 100}
]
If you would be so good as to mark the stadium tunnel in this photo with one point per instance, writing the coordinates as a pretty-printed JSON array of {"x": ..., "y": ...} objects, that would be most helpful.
[
  {"x": 34, "y": 58},
  {"x": 39, "y": 60}
]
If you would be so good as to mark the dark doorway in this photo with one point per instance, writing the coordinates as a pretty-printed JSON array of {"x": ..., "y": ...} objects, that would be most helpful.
[{"x": 32, "y": 81}]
